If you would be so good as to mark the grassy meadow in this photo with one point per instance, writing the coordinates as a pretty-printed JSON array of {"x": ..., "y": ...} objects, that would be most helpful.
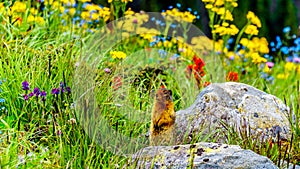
[{"x": 71, "y": 90}]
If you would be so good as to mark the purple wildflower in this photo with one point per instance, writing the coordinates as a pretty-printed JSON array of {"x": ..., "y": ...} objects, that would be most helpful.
[
  {"x": 55, "y": 91},
  {"x": 296, "y": 60},
  {"x": 31, "y": 94},
  {"x": 43, "y": 95},
  {"x": 25, "y": 96},
  {"x": 107, "y": 70},
  {"x": 68, "y": 89},
  {"x": 25, "y": 85},
  {"x": 270, "y": 64},
  {"x": 36, "y": 91}
]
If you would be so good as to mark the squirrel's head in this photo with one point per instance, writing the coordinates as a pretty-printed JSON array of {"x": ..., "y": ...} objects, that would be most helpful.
[{"x": 163, "y": 95}]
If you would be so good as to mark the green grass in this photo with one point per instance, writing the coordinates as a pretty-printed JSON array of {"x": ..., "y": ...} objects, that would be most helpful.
[{"x": 37, "y": 134}]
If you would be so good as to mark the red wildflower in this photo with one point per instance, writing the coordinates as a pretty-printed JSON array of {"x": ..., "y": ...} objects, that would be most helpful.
[
  {"x": 197, "y": 69},
  {"x": 206, "y": 84},
  {"x": 117, "y": 82},
  {"x": 232, "y": 76},
  {"x": 189, "y": 70}
]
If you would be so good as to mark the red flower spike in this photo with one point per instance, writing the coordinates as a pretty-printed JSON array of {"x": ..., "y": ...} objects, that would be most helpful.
[{"x": 232, "y": 76}]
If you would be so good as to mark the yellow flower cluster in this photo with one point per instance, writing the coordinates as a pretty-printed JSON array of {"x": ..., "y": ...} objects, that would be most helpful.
[
  {"x": 179, "y": 16},
  {"x": 290, "y": 66},
  {"x": 118, "y": 54},
  {"x": 37, "y": 19},
  {"x": 202, "y": 43},
  {"x": 251, "y": 30},
  {"x": 255, "y": 48},
  {"x": 124, "y": 1},
  {"x": 225, "y": 29},
  {"x": 256, "y": 44},
  {"x": 18, "y": 7},
  {"x": 94, "y": 12},
  {"x": 220, "y": 3},
  {"x": 253, "y": 19},
  {"x": 254, "y": 23}
]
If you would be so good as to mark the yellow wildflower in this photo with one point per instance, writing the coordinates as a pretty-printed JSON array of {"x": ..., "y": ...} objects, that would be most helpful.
[
  {"x": 219, "y": 2},
  {"x": 253, "y": 19},
  {"x": 117, "y": 54},
  {"x": 62, "y": 9},
  {"x": 267, "y": 69},
  {"x": 48, "y": 2},
  {"x": 39, "y": 20},
  {"x": 228, "y": 16},
  {"x": 83, "y": 1},
  {"x": 251, "y": 30},
  {"x": 33, "y": 11},
  {"x": 256, "y": 58},
  {"x": 208, "y": 6},
  {"x": 282, "y": 76},
  {"x": 129, "y": 12},
  {"x": 55, "y": 5},
  {"x": 30, "y": 18},
  {"x": 126, "y": 1},
  {"x": 72, "y": 11},
  {"x": 290, "y": 66},
  {"x": 244, "y": 42},
  {"x": 18, "y": 7},
  {"x": 85, "y": 15},
  {"x": 94, "y": 16}
]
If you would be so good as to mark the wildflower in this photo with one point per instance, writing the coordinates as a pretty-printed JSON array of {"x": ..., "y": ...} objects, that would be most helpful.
[
  {"x": 2, "y": 100},
  {"x": 253, "y": 19},
  {"x": 232, "y": 76},
  {"x": 206, "y": 84},
  {"x": 31, "y": 94},
  {"x": 256, "y": 58},
  {"x": 33, "y": 11},
  {"x": 84, "y": 1},
  {"x": 118, "y": 55},
  {"x": 25, "y": 96},
  {"x": 68, "y": 89},
  {"x": 282, "y": 76},
  {"x": 107, "y": 70},
  {"x": 55, "y": 91},
  {"x": 129, "y": 12},
  {"x": 36, "y": 91},
  {"x": 25, "y": 85},
  {"x": 270, "y": 64},
  {"x": 72, "y": 11},
  {"x": 40, "y": 20},
  {"x": 251, "y": 30},
  {"x": 43, "y": 95},
  {"x": 286, "y": 29},
  {"x": 290, "y": 66},
  {"x": 30, "y": 18},
  {"x": 117, "y": 82},
  {"x": 18, "y": 7}
]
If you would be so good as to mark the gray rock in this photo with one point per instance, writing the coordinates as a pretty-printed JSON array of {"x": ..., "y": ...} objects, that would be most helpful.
[
  {"x": 240, "y": 107},
  {"x": 199, "y": 156}
]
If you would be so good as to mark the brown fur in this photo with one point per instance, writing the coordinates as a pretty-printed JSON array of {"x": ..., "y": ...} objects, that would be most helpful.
[{"x": 163, "y": 119}]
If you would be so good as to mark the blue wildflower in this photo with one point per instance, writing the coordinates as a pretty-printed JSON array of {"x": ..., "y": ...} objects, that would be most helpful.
[
  {"x": 284, "y": 50},
  {"x": 286, "y": 29}
]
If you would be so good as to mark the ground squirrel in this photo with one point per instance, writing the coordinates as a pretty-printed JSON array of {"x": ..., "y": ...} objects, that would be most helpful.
[{"x": 163, "y": 119}]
